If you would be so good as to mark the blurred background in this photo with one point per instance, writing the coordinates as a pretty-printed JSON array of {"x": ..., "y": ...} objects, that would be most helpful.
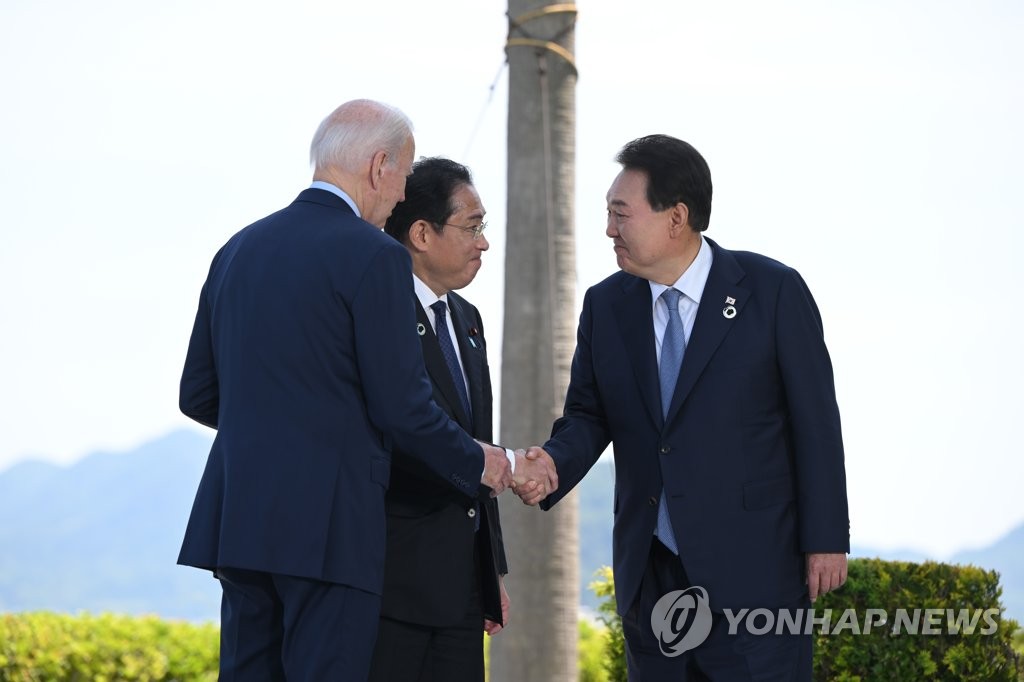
[{"x": 875, "y": 147}]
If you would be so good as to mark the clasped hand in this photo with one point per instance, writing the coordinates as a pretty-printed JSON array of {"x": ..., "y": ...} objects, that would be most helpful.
[{"x": 535, "y": 476}]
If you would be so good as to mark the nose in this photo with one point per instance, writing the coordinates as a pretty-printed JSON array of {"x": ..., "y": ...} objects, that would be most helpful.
[
  {"x": 610, "y": 229},
  {"x": 482, "y": 243}
]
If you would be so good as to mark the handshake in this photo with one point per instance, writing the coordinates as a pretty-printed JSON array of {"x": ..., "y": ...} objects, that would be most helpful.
[{"x": 535, "y": 474}]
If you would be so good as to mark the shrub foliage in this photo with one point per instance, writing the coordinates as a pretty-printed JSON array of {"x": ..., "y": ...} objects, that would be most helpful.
[
  {"x": 615, "y": 642},
  {"x": 885, "y": 653},
  {"x": 51, "y": 647},
  {"x": 953, "y": 651},
  {"x": 37, "y": 647}
]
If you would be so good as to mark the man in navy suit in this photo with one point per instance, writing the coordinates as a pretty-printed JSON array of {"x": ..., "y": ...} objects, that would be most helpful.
[
  {"x": 445, "y": 557},
  {"x": 707, "y": 371},
  {"x": 305, "y": 359}
]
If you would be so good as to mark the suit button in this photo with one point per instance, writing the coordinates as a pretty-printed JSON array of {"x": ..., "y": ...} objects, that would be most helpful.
[
  {"x": 471, "y": 513},
  {"x": 664, "y": 449},
  {"x": 653, "y": 501}
]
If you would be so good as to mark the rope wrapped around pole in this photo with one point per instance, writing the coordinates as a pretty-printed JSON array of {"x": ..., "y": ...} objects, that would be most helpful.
[{"x": 518, "y": 23}]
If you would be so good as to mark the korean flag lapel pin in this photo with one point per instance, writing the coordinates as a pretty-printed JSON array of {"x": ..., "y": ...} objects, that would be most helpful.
[
  {"x": 729, "y": 311},
  {"x": 472, "y": 333}
]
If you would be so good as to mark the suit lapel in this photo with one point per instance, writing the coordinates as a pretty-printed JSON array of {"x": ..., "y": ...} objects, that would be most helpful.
[
  {"x": 634, "y": 314},
  {"x": 711, "y": 324},
  {"x": 437, "y": 368}
]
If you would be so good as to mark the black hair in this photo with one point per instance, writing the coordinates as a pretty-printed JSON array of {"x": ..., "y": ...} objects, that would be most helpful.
[
  {"x": 428, "y": 195},
  {"x": 676, "y": 173}
]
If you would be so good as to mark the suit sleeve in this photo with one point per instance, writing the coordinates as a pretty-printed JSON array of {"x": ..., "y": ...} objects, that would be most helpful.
[
  {"x": 394, "y": 378},
  {"x": 199, "y": 393},
  {"x": 581, "y": 434},
  {"x": 817, "y": 440}
]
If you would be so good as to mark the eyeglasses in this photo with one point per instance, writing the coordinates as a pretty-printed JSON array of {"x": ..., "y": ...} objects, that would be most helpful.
[{"x": 477, "y": 230}]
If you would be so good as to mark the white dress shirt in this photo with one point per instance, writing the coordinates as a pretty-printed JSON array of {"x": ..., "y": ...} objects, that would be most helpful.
[
  {"x": 691, "y": 285},
  {"x": 428, "y": 298}
]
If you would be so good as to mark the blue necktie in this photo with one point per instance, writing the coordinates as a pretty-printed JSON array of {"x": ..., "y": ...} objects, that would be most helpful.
[
  {"x": 672, "y": 346},
  {"x": 448, "y": 351}
]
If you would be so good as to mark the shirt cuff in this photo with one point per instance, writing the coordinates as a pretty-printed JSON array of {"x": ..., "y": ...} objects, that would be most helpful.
[{"x": 511, "y": 462}]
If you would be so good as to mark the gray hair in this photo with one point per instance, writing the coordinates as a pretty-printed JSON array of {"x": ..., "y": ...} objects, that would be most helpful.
[{"x": 350, "y": 136}]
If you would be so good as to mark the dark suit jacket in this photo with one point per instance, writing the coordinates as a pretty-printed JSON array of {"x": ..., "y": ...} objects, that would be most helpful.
[
  {"x": 751, "y": 454},
  {"x": 305, "y": 360},
  {"x": 431, "y": 547}
]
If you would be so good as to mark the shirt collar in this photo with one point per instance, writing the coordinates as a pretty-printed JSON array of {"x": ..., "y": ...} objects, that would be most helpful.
[
  {"x": 425, "y": 295},
  {"x": 337, "y": 191},
  {"x": 691, "y": 282}
]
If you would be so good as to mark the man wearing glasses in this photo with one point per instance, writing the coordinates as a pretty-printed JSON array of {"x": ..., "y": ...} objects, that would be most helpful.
[{"x": 445, "y": 559}]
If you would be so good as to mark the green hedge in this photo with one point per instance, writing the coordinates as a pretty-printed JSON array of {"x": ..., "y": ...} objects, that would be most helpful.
[
  {"x": 889, "y": 652},
  {"x": 51, "y": 647},
  {"x": 883, "y": 653},
  {"x": 615, "y": 643},
  {"x": 48, "y": 647}
]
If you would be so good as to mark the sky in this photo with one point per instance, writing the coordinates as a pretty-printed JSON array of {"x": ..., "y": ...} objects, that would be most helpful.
[{"x": 874, "y": 146}]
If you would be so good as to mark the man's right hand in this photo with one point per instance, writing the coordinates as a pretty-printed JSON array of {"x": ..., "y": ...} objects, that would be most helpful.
[
  {"x": 535, "y": 476},
  {"x": 497, "y": 470}
]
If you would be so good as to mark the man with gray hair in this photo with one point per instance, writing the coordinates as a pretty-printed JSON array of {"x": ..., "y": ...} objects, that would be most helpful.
[{"x": 305, "y": 359}]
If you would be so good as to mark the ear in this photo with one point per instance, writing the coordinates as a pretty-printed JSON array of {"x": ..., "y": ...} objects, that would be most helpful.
[
  {"x": 420, "y": 235},
  {"x": 377, "y": 168},
  {"x": 680, "y": 218}
]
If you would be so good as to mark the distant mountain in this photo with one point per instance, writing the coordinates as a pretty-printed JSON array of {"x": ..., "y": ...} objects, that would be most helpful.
[
  {"x": 1007, "y": 557},
  {"x": 103, "y": 535},
  {"x": 890, "y": 554},
  {"x": 597, "y": 490}
]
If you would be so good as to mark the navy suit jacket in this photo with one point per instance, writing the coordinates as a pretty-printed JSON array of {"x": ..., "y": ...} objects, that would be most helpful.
[
  {"x": 751, "y": 453},
  {"x": 433, "y": 543},
  {"x": 304, "y": 358}
]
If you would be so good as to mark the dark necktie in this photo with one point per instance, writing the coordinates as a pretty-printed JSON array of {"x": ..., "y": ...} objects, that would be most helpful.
[
  {"x": 444, "y": 339},
  {"x": 673, "y": 343}
]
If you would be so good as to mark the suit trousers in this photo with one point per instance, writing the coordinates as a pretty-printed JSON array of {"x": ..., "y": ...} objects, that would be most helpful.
[
  {"x": 739, "y": 657},
  {"x": 410, "y": 652},
  {"x": 278, "y": 627}
]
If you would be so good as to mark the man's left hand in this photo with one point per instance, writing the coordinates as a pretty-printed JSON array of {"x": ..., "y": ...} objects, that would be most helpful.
[
  {"x": 825, "y": 572},
  {"x": 490, "y": 627}
]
